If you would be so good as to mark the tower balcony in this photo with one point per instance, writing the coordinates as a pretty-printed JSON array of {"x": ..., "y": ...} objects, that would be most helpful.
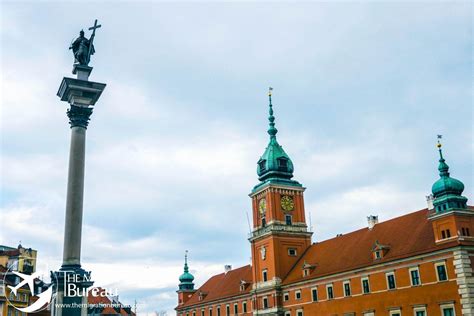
[{"x": 279, "y": 227}]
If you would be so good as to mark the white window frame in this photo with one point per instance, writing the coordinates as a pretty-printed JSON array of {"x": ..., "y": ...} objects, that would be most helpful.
[
  {"x": 287, "y": 296},
  {"x": 362, "y": 284},
  {"x": 296, "y": 295},
  {"x": 293, "y": 249},
  {"x": 288, "y": 313},
  {"x": 441, "y": 263},
  {"x": 210, "y": 311},
  {"x": 446, "y": 306},
  {"x": 419, "y": 309},
  {"x": 368, "y": 313},
  {"x": 419, "y": 276},
  {"x": 218, "y": 311},
  {"x": 344, "y": 288},
  {"x": 265, "y": 275},
  {"x": 327, "y": 291},
  {"x": 395, "y": 311},
  {"x": 265, "y": 298},
  {"x": 394, "y": 280},
  {"x": 236, "y": 306},
  {"x": 298, "y": 311},
  {"x": 317, "y": 294},
  {"x": 244, "y": 309}
]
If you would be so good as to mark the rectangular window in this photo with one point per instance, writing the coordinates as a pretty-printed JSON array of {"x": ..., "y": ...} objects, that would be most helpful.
[
  {"x": 298, "y": 295},
  {"x": 210, "y": 311},
  {"x": 329, "y": 291},
  {"x": 441, "y": 271},
  {"x": 420, "y": 311},
  {"x": 396, "y": 312},
  {"x": 365, "y": 285},
  {"x": 218, "y": 311},
  {"x": 299, "y": 312},
  {"x": 377, "y": 254},
  {"x": 264, "y": 275},
  {"x": 194, "y": 313},
  {"x": 292, "y": 252},
  {"x": 448, "y": 233},
  {"x": 265, "y": 303},
  {"x": 391, "y": 284},
  {"x": 286, "y": 296},
  {"x": 447, "y": 310},
  {"x": 443, "y": 234},
  {"x": 314, "y": 295},
  {"x": 236, "y": 309},
  {"x": 414, "y": 276},
  {"x": 244, "y": 307},
  {"x": 227, "y": 310},
  {"x": 287, "y": 313},
  {"x": 202, "y": 312},
  {"x": 347, "y": 288},
  {"x": 288, "y": 219}
]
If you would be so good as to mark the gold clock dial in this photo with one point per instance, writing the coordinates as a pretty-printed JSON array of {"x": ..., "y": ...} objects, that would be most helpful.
[
  {"x": 262, "y": 206},
  {"x": 287, "y": 203}
]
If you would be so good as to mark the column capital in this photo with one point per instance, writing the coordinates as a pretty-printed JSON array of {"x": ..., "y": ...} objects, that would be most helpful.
[{"x": 79, "y": 116}]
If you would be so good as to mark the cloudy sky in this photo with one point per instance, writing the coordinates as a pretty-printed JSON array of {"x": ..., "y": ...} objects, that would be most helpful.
[{"x": 360, "y": 92}]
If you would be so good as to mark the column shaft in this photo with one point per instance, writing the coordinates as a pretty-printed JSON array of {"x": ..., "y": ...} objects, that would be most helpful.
[{"x": 74, "y": 199}]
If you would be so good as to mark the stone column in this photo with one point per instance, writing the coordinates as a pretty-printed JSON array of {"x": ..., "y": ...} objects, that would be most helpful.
[
  {"x": 78, "y": 118},
  {"x": 71, "y": 280}
]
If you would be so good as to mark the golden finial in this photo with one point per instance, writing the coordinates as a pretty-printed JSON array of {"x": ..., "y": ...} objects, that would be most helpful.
[
  {"x": 270, "y": 91},
  {"x": 439, "y": 145}
]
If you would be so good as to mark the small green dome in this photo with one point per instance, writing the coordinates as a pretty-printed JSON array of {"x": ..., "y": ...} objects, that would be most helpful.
[
  {"x": 447, "y": 185},
  {"x": 446, "y": 190},
  {"x": 186, "y": 279}
]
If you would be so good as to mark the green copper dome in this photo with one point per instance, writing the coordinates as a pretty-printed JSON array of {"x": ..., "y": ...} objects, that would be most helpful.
[
  {"x": 274, "y": 165},
  {"x": 186, "y": 279},
  {"x": 446, "y": 190}
]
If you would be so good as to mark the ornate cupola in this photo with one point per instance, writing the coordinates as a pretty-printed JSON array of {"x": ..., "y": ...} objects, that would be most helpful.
[
  {"x": 274, "y": 166},
  {"x": 186, "y": 279},
  {"x": 447, "y": 190},
  {"x": 186, "y": 285}
]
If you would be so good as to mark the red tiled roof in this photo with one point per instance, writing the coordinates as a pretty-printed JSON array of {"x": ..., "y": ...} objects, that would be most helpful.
[
  {"x": 406, "y": 236},
  {"x": 223, "y": 285}
]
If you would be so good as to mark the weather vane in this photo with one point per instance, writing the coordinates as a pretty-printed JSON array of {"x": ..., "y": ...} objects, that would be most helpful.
[
  {"x": 83, "y": 48},
  {"x": 439, "y": 142}
]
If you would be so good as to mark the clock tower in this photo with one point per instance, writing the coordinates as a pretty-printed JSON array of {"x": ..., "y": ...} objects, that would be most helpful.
[{"x": 280, "y": 234}]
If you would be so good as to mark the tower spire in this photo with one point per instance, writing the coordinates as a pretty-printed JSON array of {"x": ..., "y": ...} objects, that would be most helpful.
[
  {"x": 186, "y": 269},
  {"x": 272, "y": 131},
  {"x": 443, "y": 166},
  {"x": 186, "y": 279}
]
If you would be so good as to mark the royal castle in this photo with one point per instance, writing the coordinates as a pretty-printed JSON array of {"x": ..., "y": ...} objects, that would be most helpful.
[{"x": 417, "y": 264}]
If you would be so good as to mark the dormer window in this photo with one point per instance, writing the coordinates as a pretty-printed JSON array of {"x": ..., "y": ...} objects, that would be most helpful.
[
  {"x": 243, "y": 285},
  {"x": 261, "y": 165},
  {"x": 379, "y": 250},
  {"x": 307, "y": 269},
  {"x": 283, "y": 164}
]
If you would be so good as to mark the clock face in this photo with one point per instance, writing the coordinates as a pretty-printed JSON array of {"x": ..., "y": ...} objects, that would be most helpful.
[
  {"x": 287, "y": 203},
  {"x": 262, "y": 206}
]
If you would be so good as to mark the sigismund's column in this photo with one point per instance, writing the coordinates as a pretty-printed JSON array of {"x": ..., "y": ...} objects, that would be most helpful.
[{"x": 81, "y": 94}]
